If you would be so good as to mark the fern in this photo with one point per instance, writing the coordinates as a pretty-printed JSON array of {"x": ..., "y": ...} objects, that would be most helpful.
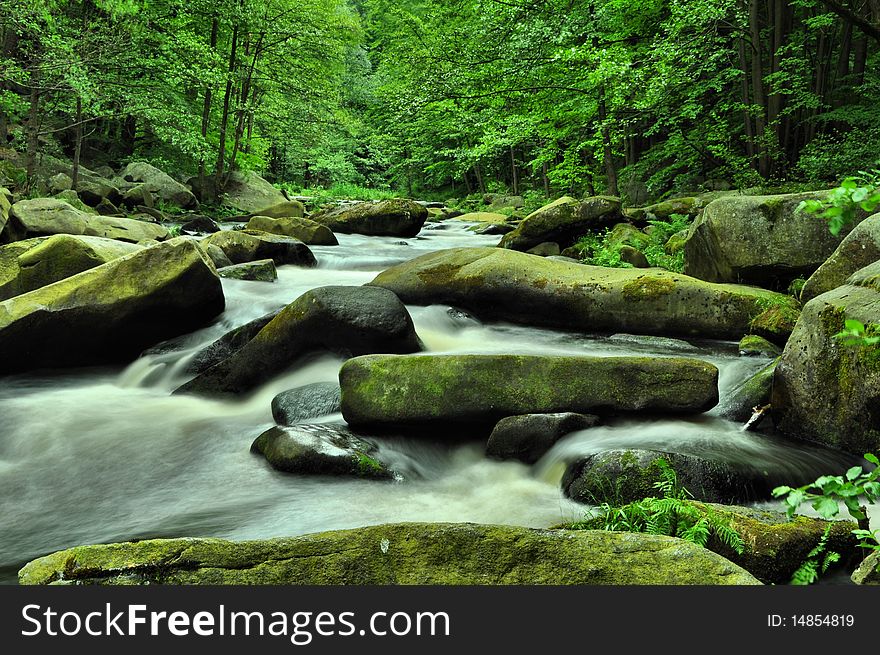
[{"x": 817, "y": 562}]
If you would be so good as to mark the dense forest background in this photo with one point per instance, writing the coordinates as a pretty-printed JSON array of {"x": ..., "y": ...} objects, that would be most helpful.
[{"x": 637, "y": 98}]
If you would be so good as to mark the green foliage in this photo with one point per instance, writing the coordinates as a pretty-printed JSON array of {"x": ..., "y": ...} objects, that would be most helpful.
[
  {"x": 673, "y": 515},
  {"x": 817, "y": 562},
  {"x": 855, "y": 334},
  {"x": 599, "y": 249},
  {"x": 842, "y": 205}
]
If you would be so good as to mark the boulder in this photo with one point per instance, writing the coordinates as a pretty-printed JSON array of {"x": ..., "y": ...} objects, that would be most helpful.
[
  {"x": 528, "y": 437},
  {"x": 624, "y": 476},
  {"x": 383, "y": 390},
  {"x": 490, "y": 218},
  {"x": 345, "y": 320},
  {"x": 138, "y": 195},
  {"x": 34, "y": 263},
  {"x": 307, "y": 231},
  {"x": 58, "y": 183},
  {"x": 546, "y": 249},
  {"x": 229, "y": 344},
  {"x": 106, "y": 208},
  {"x": 752, "y": 345},
  {"x": 626, "y": 234},
  {"x": 306, "y": 402},
  {"x": 514, "y": 286},
  {"x": 753, "y": 393},
  {"x": 689, "y": 206},
  {"x": 404, "y": 553},
  {"x": 160, "y": 184},
  {"x": 94, "y": 191},
  {"x": 110, "y": 313},
  {"x": 676, "y": 242},
  {"x": 563, "y": 221},
  {"x": 320, "y": 450},
  {"x": 393, "y": 218},
  {"x": 5, "y": 208},
  {"x": 499, "y": 201},
  {"x": 259, "y": 270},
  {"x": 759, "y": 240},
  {"x": 241, "y": 247},
  {"x": 47, "y": 216},
  {"x": 633, "y": 257},
  {"x": 248, "y": 192},
  {"x": 200, "y": 225},
  {"x": 825, "y": 391},
  {"x": 286, "y": 209},
  {"x": 217, "y": 256},
  {"x": 860, "y": 248},
  {"x": 869, "y": 570}
]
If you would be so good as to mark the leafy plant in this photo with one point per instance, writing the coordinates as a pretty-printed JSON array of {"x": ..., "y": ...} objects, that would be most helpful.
[
  {"x": 856, "y": 334},
  {"x": 842, "y": 204},
  {"x": 817, "y": 562},
  {"x": 673, "y": 515}
]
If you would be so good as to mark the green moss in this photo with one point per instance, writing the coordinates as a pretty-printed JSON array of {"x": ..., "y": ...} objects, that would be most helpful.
[
  {"x": 648, "y": 288},
  {"x": 366, "y": 465}
]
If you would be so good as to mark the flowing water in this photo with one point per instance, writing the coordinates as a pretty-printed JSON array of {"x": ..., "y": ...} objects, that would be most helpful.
[{"x": 101, "y": 455}]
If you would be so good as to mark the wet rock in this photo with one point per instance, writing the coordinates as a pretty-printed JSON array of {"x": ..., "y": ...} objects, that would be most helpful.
[
  {"x": 514, "y": 286},
  {"x": 286, "y": 209},
  {"x": 868, "y": 572},
  {"x": 112, "y": 312},
  {"x": 406, "y": 553},
  {"x": 563, "y": 221},
  {"x": 229, "y": 344},
  {"x": 241, "y": 247},
  {"x": 345, "y": 320},
  {"x": 200, "y": 225},
  {"x": 860, "y": 248},
  {"x": 305, "y": 230},
  {"x": 528, "y": 437},
  {"x": 260, "y": 270},
  {"x": 752, "y": 345},
  {"x": 753, "y": 393},
  {"x": 218, "y": 256},
  {"x": 306, "y": 402},
  {"x": 395, "y": 218},
  {"x": 381, "y": 390}
]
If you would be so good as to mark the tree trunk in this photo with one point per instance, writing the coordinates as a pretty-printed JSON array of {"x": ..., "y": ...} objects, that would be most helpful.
[
  {"x": 206, "y": 107},
  {"x": 546, "y": 179},
  {"x": 77, "y": 149},
  {"x": 513, "y": 172},
  {"x": 607, "y": 152},
  {"x": 744, "y": 97},
  {"x": 32, "y": 129},
  {"x": 224, "y": 121},
  {"x": 758, "y": 95}
]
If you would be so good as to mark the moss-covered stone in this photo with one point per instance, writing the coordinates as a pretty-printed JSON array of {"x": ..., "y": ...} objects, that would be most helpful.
[
  {"x": 159, "y": 184},
  {"x": 397, "y": 218},
  {"x": 384, "y": 390},
  {"x": 528, "y": 437},
  {"x": 752, "y": 393},
  {"x": 286, "y": 209},
  {"x": 860, "y": 248},
  {"x": 405, "y": 554},
  {"x": 305, "y": 230},
  {"x": 260, "y": 270},
  {"x": 5, "y": 208},
  {"x": 824, "y": 391},
  {"x": 868, "y": 572},
  {"x": 241, "y": 247},
  {"x": 675, "y": 243},
  {"x": 309, "y": 401},
  {"x": 111, "y": 312},
  {"x": 752, "y": 345},
  {"x": 249, "y": 193},
  {"x": 490, "y": 218},
  {"x": 688, "y": 206},
  {"x": 345, "y": 320},
  {"x": 760, "y": 240},
  {"x": 563, "y": 221},
  {"x": 499, "y": 283},
  {"x": 48, "y": 216},
  {"x": 626, "y": 234},
  {"x": 320, "y": 449},
  {"x": 624, "y": 476}
]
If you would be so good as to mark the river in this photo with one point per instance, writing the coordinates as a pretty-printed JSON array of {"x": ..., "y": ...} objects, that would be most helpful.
[{"x": 108, "y": 454}]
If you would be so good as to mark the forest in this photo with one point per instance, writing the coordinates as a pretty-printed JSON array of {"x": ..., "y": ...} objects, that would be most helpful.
[
  {"x": 440, "y": 292},
  {"x": 637, "y": 98}
]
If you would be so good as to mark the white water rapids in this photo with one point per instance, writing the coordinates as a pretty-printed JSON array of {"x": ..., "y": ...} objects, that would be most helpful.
[{"x": 102, "y": 455}]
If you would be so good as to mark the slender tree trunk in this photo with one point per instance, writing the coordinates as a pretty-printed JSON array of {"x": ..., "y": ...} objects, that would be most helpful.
[
  {"x": 250, "y": 122},
  {"x": 77, "y": 148},
  {"x": 607, "y": 152},
  {"x": 224, "y": 121},
  {"x": 758, "y": 95},
  {"x": 513, "y": 172},
  {"x": 546, "y": 179},
  {"x": 860, "y": 59},
  {"x": 206, "y": 106},
  {"x": 478, "y": 174},
  {"x": 243, "y": 109},
  {"x": 746, "y": 101},
  {"x": 32, "y": 129}
]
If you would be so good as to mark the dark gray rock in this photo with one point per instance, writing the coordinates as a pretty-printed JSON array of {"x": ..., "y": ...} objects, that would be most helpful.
[
  {"x": 200, "y": 225},
  {"x": 309, "y": 401},
  {"x": 261, "y": 270},
  {"x": 528, "y": 437}
]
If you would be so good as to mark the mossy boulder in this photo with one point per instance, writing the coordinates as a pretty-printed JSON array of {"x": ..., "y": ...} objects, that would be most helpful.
[
  {"x": 860, "y": 248},
  {"x": 752, "y": 345},
  {"x": 345, "y": 320},
  {"x": 626, "y": 234},
  {"x": 563, "y": 221},
  {"x": 241, "y": 247},
  {"x": 48, "y": 216},
  {"x": 286, "y": 209},
  {"x": 259, "y": 270},
  {"x": 399, "y": 554},
  {"x": 34, "y": 263},
  {"x": 528, "y": 437},
  {"x": 760, "y": 240},
  {"x": 383, "y": 390},
  {"x": 868, "y": 572},
  {"x": 824, "y": 391},
  {"x": 688, "y": 206},
  {"x": 514, "y": 286},
  {"x": 752, "y": 393},
  {"x": 307, "y": 231},
  {"x": 389, "y": 218},
  {"x": 159, "y": 184},
  {"x": 111, "y": 312},
  {"x": 5, "y": 208},
  {"x": 249, "y": 193},
  {"x": 676, "y": 242},
  {"x": 320, "y": 449},
  {"x": 634, "y": 257},
  {"x": 200, "y": 225},
  {"x": 623, "y": 476},
  {"x": 306, "y": 402},
  {"x": 217, "y": 256},
  {"x": 229, "y": 344},
  {"x": 484, "y": 218}
]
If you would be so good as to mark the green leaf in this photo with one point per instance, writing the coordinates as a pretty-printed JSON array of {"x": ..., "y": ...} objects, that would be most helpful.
[
  {"x": 826, "y": 507},
  {"x": 853, "y": 473},
  {"x": 872, "y": 458}
]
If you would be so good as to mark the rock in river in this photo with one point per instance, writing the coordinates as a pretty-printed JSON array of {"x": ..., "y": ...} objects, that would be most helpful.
[
  {"x": 527, "y": 438},
  {"x": 387, "y": 390},
  {"x": 307, "y": 231},
  {"x": 404, "y": 553},
  {"x": 111, "y": 312},
  {"x": 514, "y": 286},
  {"x": 393, "y": 218},
  {"x": 345, "y": 320},
  {"x": 309, "y": 401},
  {"x": 563, "y": 221},
  {"x": 242, "y": 247}
]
